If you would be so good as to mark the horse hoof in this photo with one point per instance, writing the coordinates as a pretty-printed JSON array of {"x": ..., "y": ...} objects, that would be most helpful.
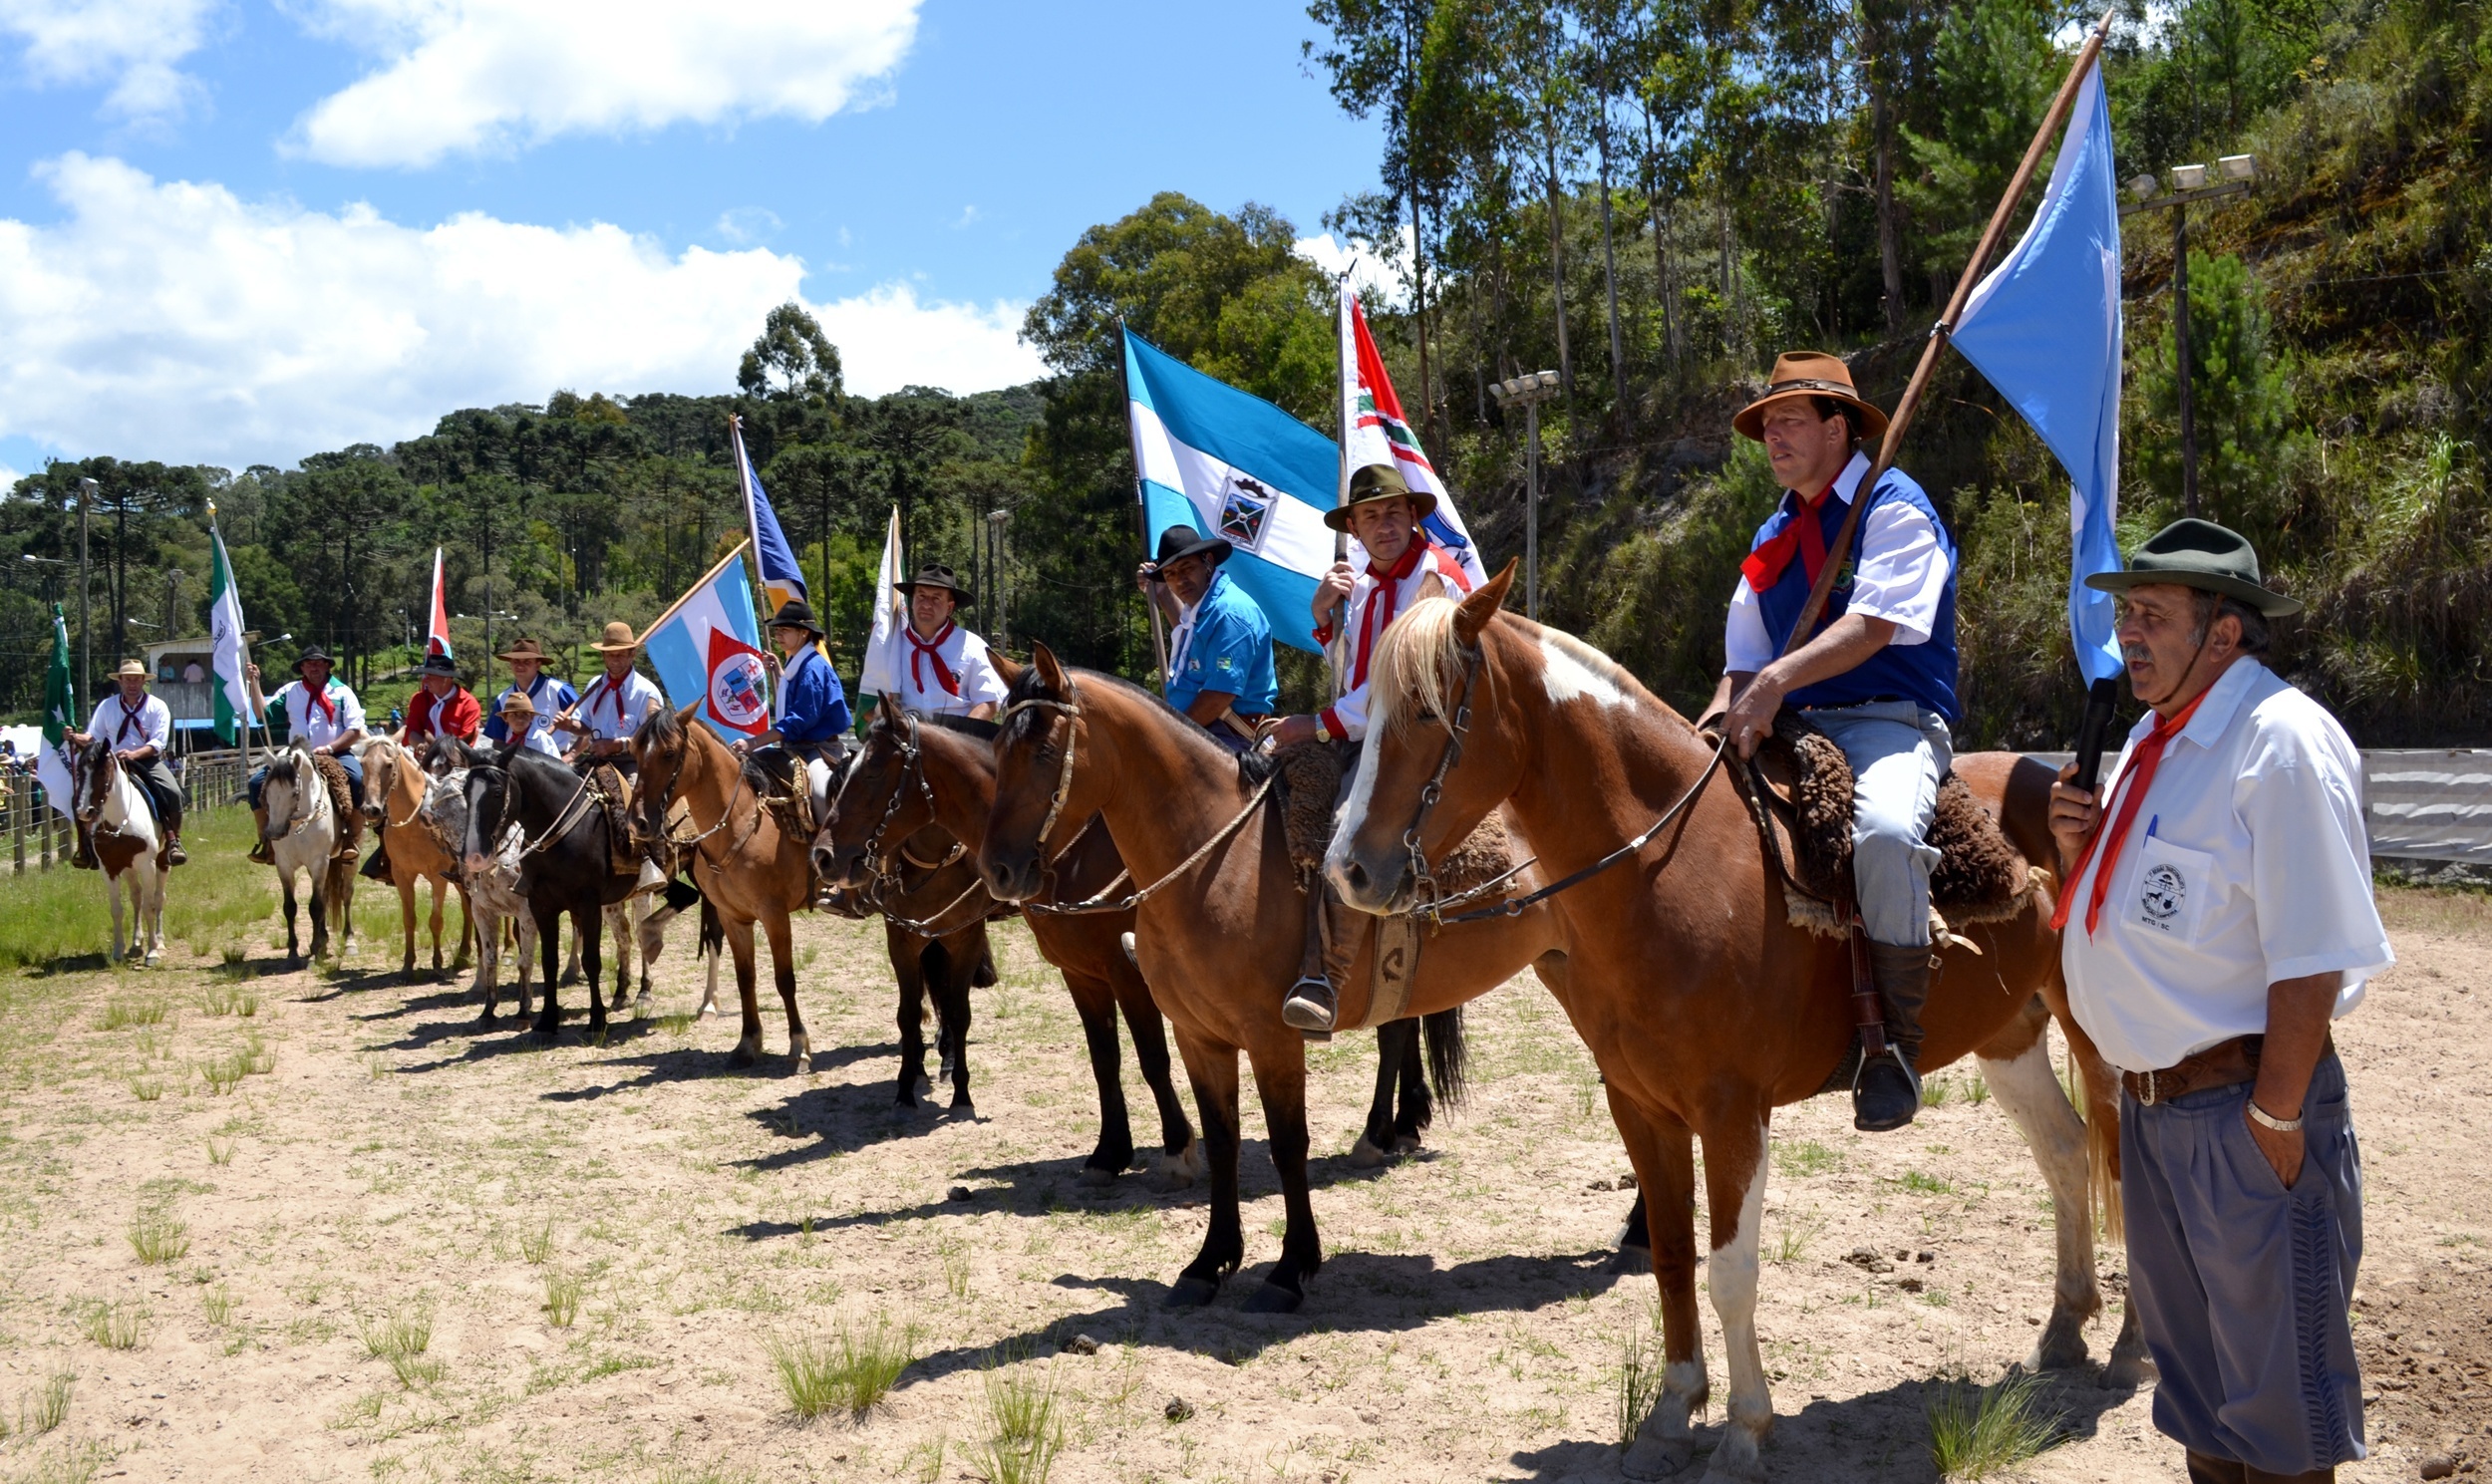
[
  {"x": 2128, "y": 1373},
  {"x": 1191, "y": 1293},
  {"x": 743, "y": 1055},
  {"x": 487, "y": 1017},
  {"x": 963, "y": 1107},
  {"x": 1405, "y": 1145},
  {"x": 1271, "y": 1298},
  {"x": 1657, "y": 1458},
  {"x": 1365, "y": 1156},
  {"x": 1096, "y": 1178},
  {"x": 1631, "y": 1260},
  {"x": 804, "y": 1067}
]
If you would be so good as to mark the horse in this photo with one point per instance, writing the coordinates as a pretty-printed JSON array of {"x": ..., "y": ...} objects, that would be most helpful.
[
  {"x": 750, "y": 866},
  {"x": 113, "y": 806},
  {"x": 915, "y": 771},
  {"x": 564, "y": 863},
  {"x": 1703, "y": 1005},
  {"x": 1219, "y": 952},
  {"x": 419, "y": 848},
  {"x": 305, "y": 834}
]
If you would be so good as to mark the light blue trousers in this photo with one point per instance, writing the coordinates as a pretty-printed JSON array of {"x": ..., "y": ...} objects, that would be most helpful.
[{"x": 1898, "y": 753}]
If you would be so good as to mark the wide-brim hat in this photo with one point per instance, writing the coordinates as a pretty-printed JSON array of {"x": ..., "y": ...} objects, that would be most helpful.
[
  {"x": 524, "y": 649},
  {"x": 439, "y": 665},
  {"x": 617, "y": 638},
  {"x": 935, "y": 574},
  {"x": 517, "y": 704},
  {"x": 132, "y": 666},
  {"x": 1380, "y": 481},
  {"x": 1809, "y": 374},
  {"x": 2198, "y": 553},
  {"x": 796, "y": 614},
  {"x": 1179, "y": 542},
  {"x": 311, "y": 654}
]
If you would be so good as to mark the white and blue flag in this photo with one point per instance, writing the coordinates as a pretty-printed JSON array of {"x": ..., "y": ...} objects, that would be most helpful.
[
  {"x": 706, "y": 651},
  {"x": 2044, "y": 329}
]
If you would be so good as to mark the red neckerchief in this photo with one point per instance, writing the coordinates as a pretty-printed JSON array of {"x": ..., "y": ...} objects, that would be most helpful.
[
  {"x": 130, "y": 719},
  {"x": 606, "y": 690},
  {"x": 931, "y": 648},
  {"x": 2134, "y": 780},
  {"x": 1386, "y": 594},
  {"x": 319, "y": 697},
  {"x": 1803, "y": 533}
]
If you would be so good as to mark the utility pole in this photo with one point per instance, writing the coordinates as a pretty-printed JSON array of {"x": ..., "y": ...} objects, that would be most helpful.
[
  {"x": 85, "y": 634},
  {"x": 1528, "y": 391},
  {"x": 2189, "y": 184},
  {"x": 996, "y": 520}
]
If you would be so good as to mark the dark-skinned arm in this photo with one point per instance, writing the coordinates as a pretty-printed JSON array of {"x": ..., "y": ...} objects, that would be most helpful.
[
  {"x": 2297, "y": 1015},
  {"x": 1207, "y": 705},
  {"x": 1845, "y": 644}
]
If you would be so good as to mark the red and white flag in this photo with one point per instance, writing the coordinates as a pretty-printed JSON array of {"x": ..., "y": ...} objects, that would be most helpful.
[
  {"x": 737, "y": 700},
  {"x": 1378, "y": 434},
  {"x": 436, "y": 636}
]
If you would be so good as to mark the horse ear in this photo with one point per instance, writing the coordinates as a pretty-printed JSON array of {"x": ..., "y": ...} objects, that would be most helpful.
[
  {"x": 1006, "y": 667},
  {"x": 1051, "y": 672},
  {"x": 1476, "y": 610},
  {"x": 886, "y": 705}
]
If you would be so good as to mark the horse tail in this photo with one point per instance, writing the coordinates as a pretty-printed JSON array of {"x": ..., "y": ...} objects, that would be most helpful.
[
  {"x": 713, "y": 932},
  {"x": 983, "y": 977},
  {"x": 1448, "y": 1055}
]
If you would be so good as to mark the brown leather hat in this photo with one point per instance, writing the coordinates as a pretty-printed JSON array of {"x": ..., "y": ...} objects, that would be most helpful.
[
  {"x": 1809, "y": 374},
  {"x": 1378, "y": 481},
  {"x": 525, "y": 649},
  {"x": 618, "y": 637}
]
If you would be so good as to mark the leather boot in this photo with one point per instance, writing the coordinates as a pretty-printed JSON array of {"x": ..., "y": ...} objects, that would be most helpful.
[
  {"x": 1311, "y": 1003},
  {"x": 175, "y": 856},
  {"x": 1886, "y": 1092},
  {"x": 259, "y": 836},
  {"x": 377, "y": 868}
]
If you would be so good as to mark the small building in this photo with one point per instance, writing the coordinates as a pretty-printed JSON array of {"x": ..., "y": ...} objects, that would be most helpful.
[{"x": 181, "y": 671}]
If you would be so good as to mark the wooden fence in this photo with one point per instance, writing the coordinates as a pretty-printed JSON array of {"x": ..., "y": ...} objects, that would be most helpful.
[{"x": 40, "y": 836}]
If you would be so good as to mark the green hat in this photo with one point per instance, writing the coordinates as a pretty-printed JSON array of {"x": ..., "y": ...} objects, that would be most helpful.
[
  {"x": 2198, "y": 553},
  {"x": 1378, "y": 481}
]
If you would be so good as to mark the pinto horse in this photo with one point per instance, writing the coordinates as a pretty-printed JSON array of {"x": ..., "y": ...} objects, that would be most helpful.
[
  {"x": 1219, "y": 929},
  {"x": 1703, "y": 1005},
  {"x": 128, "y": 845},
  {"x": 304, "y": 837}
]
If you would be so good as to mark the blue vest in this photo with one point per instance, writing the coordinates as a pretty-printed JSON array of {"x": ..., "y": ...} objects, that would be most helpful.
[{"x": 1921, "y": 673}]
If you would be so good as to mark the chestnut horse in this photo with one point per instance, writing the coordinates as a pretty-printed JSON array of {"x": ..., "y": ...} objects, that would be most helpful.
[
  {"x": 417, "y": 847},
  {"x": 1705, "y": 1007},
  {"x": 1220, "y": 932},
  {"x": 749, "y": 868}
]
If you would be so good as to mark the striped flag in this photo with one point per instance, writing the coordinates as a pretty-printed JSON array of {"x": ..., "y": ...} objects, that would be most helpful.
[
  {"x": 1378, "y": 434},
  {"x": 707, "y": 650},
  {"x": 437, "y": 634}
]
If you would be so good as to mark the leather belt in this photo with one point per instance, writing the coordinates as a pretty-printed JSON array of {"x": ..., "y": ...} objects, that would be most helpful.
[{"x": 2226, "y": 1063}]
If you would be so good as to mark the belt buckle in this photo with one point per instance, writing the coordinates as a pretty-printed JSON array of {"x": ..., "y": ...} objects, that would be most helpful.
[{"x": 2150, "y": 1098}]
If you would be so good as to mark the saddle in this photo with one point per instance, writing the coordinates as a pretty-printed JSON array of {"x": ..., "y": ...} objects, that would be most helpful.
[
  {"x": 785, "y": 791},
  {"x": 614, "y": 794},
  {"x": 341, "y": 800}
]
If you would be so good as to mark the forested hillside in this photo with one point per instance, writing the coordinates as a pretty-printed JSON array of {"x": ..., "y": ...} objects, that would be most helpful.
[{"x": 1652, "y": 197}]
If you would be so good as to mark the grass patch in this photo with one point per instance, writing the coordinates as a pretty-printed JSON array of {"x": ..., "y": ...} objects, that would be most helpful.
[
  {"x": 44, "y": 1408},
  {"x": 118, "y": 1326},
  {"x": 146, "y": 1089},
  {"x": 538, "y": 1245},
  {"x": 158, "y": 1235},
  {"x": 1979, "y": 1431},
  {"x": 1024, "y": 1429},
  {"x": 223, "y": 1074},
  {"x": 1790, "y": 1242},
  {"x": 47, "y": 917},
  {"x": 850, "y": 1372},
  {"x": 141, "y": 1010},
  {"x": 220, "y": 1151},
  {"x": 1924, "y": 1184},
  {"x": 1799, "y": 1161},
  {"x": 230, "y": 1000},
  {"x": 217, "y": 1305},
  {"x": 1639, "y": 1381},
  {"x": 562, "y": 1298}
]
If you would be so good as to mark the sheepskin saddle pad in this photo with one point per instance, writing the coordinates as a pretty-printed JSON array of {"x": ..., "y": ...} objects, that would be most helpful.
[{"x": 1311, "y": 776}]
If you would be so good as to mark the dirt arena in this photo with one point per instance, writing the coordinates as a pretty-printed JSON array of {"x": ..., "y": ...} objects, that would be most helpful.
[{"x": 330, "y": 1165}]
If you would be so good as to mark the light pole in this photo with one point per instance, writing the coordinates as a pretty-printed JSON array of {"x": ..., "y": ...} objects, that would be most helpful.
[
  {"x": 1528, "y": 391},
  {"x": 86, "y": 635},
  {"x": 996, "y": 520},
  {"x": 2189, "y": 183}
]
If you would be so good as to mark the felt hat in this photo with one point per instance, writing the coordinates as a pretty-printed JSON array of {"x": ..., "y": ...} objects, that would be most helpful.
[
  {"x": 2201, "y": 554},
  {"x": 315, "y": 651},
  {"x": 525, "y": 649},
  {"x": 795, "y": 613},
  {"x": 1179, "y": 542},
  {"x": 936, "y": 574},
  {"x": 439, "y": 665},
  {"x": 1380, "y": 481},
  {"x": 616, "y": 639},
  {"x": 132, "y": 666},
  {"x": 1809, "y": 374},
  {"x": 517, "y": 709}
]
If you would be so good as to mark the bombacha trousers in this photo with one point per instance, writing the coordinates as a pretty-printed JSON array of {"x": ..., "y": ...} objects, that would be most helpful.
[{"x": 1898, "y": 752}]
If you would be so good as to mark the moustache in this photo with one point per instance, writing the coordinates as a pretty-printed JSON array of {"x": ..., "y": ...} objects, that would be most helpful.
[{"x": 2136, "y": 653}]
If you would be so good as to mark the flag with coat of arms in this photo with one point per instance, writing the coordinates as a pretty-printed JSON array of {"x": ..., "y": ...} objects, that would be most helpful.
[
  {"x": 1378, "y": 434},
  {"x": 707, "y": 650}
]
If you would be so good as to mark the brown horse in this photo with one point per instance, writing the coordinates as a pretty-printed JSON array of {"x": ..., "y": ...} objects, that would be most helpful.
[
  {"x": 1219, "y": 937},
  {"x": 419, "y": 850},
  {"x": 1705, "y": 1007},
  {"x": 748, "y": 866},
  {"x": 934, "y": 909}
]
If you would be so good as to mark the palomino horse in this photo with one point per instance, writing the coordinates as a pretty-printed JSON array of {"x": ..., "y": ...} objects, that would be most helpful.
[
  {"x": 747, "y": 867},
  {"x": 916, "y": 771},
  {"x": 1705, "y": 1007},
  {"x": 305, "y": 836},
  {"x": 113, "y": 808},
  {"x": 1219, "y": 928},
  {"x": 564, "y": 862},
  {"x": 419, "y": 849}
]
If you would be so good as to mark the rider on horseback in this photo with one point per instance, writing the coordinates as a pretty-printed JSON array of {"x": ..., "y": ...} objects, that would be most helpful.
[
  {"x": 613, "y": 705},
  {"x": 1220, "y": 651},
  {"x": 812, "y": 720},
  {"x": 140, "y": 728},
  {"x": 325, "y": 715},
  {"x": 1877, "y": 674}
]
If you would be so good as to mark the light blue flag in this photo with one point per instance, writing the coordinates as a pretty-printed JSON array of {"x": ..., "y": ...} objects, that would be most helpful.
[
  {"x": 707, "y": 650},
  {"x": 1231, "y": 465},
  {"x": 2044, "y": 328}
]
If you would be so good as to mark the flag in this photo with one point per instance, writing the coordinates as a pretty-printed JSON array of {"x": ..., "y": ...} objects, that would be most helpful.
[
  {"x": 437, "y": 637},
  {"x": 60, "y": 716},
  {"x": 1378, "y": 434},
  {"x": 707, "y": 650},
  {"x": 227, "y": 651},
  {"x": 782, "y": 581},
  {"x": 2044, "y": 328},
  {"x": 881, "y": 675}
]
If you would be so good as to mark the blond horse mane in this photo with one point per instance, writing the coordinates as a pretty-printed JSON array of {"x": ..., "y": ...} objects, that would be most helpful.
[{"x": 1412, "y": 672}]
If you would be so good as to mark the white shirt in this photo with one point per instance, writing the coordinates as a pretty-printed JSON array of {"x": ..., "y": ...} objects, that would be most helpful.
[
  {"x": 2247, "y": 864},
  {"x": 1437, "y": 573},
  {"x": 1901, "y": 578},
  {"x": 965, "y": 655},
  {"x": 150, "y": 725},
  {"x": 615, "y": 711},
  {"x": 306, "y": 720}
]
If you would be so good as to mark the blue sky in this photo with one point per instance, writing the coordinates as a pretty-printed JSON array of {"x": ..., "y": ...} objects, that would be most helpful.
[{"x": 233, "y": 233}]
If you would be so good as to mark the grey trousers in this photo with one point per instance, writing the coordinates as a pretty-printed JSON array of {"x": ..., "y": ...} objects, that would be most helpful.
[
  {"x": 1898, "y": 753},
  {"x": 2240, "y": 1285}
]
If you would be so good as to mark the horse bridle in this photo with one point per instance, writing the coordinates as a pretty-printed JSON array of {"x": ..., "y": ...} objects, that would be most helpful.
[
  {"x": 296, "y": 820},
  {"x": 659, "y": 799}
]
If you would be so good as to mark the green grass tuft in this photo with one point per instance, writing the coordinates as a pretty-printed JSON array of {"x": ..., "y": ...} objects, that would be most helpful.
[
  {"x": 538, "y": 1245},
  {"x": 146, "y": 1010},
  {"x": 1639, "y": 1381},
  {"x": 118, "y": 1326},
  {"x": 851, "y": 1372},
  {"x": 146, "y": 1089},
  {"x": 158, "y": 1235},
  {"x": 1024, "y": 1429},
  {"x": 562, "y": 1298},
  {"x": 45, "y": 1408},
  {"x": 220, "y": 1151},
  {"x": 1979, "y": 1431},
  {"x": 217, "y": 1305}
]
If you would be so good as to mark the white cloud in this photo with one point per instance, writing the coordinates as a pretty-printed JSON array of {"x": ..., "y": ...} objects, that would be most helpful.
[
  {"x": 490, "y": 76},
  {"x": 173, "y": 320},
  {"x": 9, "y": 477},
  {"x": 741, "y": 224},
  {"x": 132, "y": 44},
  {"x": 1378, "y": 280}
]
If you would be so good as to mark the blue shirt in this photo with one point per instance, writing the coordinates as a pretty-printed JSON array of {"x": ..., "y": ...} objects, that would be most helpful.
[
  {"x": 551, "y": 697},
  {"x": 1227, "y": 646},
  {"x": 813, "y": 706}
]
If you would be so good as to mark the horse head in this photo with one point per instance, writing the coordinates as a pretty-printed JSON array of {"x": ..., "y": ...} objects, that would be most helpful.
[
  {"x": 294, "y": 779},
  {"x": 1440, "y": 750},
  {"x": 485, "y": 796},
  {"x": 1036, "y": 782},
  {"x": 93, "y": 769},
  {"x": 659, "y": 745},
  {"x": 882, "y": 801}
]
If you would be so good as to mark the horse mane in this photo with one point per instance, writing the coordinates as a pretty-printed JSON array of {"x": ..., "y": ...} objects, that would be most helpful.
[
  {"x": 977, "y": 726},
  {"x": 1411, "y": 668}
]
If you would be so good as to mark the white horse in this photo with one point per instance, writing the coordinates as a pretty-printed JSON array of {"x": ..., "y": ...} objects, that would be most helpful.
[
  {"x": 111, "y": 805},
  {"x": 303, "y": 834}
]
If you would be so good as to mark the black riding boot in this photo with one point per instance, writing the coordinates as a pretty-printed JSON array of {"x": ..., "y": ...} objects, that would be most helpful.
[
  {"x": 377, "y": 868},
  {"x": 1309, "y": 1006},
  {"x": 1886, "y": 1092},
  {"x": 259, "y": 836}
]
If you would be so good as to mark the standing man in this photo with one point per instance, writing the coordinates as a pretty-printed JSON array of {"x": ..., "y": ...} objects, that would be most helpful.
[
  {"x": 613, "y": 705},
  {"x": 139, "y": 729},
  {"x": 2207, "y": 950},
  {"x": 547, "y": 697},
  {"x": 1220, "y": 649},
  {"x": 810, "y": 717},
  {"x": 440, "y": 706},
  {"x": 948, "y": 673},
  {"x": 1877, "y": 674},
  {"x": 325, "y": 714}
]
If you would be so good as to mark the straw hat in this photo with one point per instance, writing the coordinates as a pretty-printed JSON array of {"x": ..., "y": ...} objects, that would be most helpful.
[
  {"x": 619, "y": 639},
  {"x": 517, "y": 712},
  {"x": 1809, "y": 374},
  {"x": 132, "y": 666},
  {"x": 1380, "y": 481}
]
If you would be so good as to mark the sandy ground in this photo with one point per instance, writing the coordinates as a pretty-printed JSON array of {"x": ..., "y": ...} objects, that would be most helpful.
[{"x": 397, "y": 1160}]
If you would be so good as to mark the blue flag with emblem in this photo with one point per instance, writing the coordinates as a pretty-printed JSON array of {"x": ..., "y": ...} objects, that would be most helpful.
[
  {"x": 782, "y": 581},
  {"x": 2044, "y": 329}
]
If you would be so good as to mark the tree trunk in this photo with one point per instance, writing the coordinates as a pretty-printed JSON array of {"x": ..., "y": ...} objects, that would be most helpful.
[
  {"x": 1418, "y": 296},
  {"x": 1557, "y": 269},
  {"x": 1890, "y": 234},
  {"x": 1609, "y": 271}
]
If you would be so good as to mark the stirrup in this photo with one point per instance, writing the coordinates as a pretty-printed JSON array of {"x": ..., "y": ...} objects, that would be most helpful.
[
  {"x": 650, "y": 878},
  {"x": 1892, "y": 1055},
  {"x": 1310, "y": 1007}
]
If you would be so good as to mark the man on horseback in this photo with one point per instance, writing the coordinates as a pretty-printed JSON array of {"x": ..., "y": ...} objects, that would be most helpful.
[
  {"x": 1220, "y": 649},
  {"x": 1354, "y": 605},
  {"x": 948, "y": 673},
  {"x": 325, "y": 715},
  {"x": 140, "y": 728},
  {"x": 1877, "y": 674},
  {"x": 812, "y": 719},
  {"x": 440, "y": 706},
  {"x": 547, "y": 697},
  {"x": 613, "y": 705}
]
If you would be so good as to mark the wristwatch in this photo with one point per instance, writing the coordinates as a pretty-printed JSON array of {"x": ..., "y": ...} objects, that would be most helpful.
[{"x": 2270, "y": 1121}]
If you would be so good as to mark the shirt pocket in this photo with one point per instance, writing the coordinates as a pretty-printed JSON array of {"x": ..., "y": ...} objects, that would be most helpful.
[{"x": 2169, "y": 892}]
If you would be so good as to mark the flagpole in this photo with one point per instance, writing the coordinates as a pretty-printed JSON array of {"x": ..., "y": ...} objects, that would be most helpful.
[
  {"x": 1887, "y": 448},
  {"x": 1346, "y": 395},
  {"x": 1142, "y": 501},
  {"x": 704, "y": 581}
]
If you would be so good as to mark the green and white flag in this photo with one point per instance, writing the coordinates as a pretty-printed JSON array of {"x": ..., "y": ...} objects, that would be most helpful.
[
  {"x": 60, "y": 717},
  {"x": 227, "y": 656}
]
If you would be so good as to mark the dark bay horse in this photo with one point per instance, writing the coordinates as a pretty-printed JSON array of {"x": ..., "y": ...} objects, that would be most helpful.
[
  {"x": 1220, "y": 940},
  {"x": 564, "y": 866},
  {"x": 1703, "y": 1005}
]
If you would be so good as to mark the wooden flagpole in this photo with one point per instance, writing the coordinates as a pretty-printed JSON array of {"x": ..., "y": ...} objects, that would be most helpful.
[
  {"x": 1142, "y": 501},
  {"x": 705, "y": 580}
]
